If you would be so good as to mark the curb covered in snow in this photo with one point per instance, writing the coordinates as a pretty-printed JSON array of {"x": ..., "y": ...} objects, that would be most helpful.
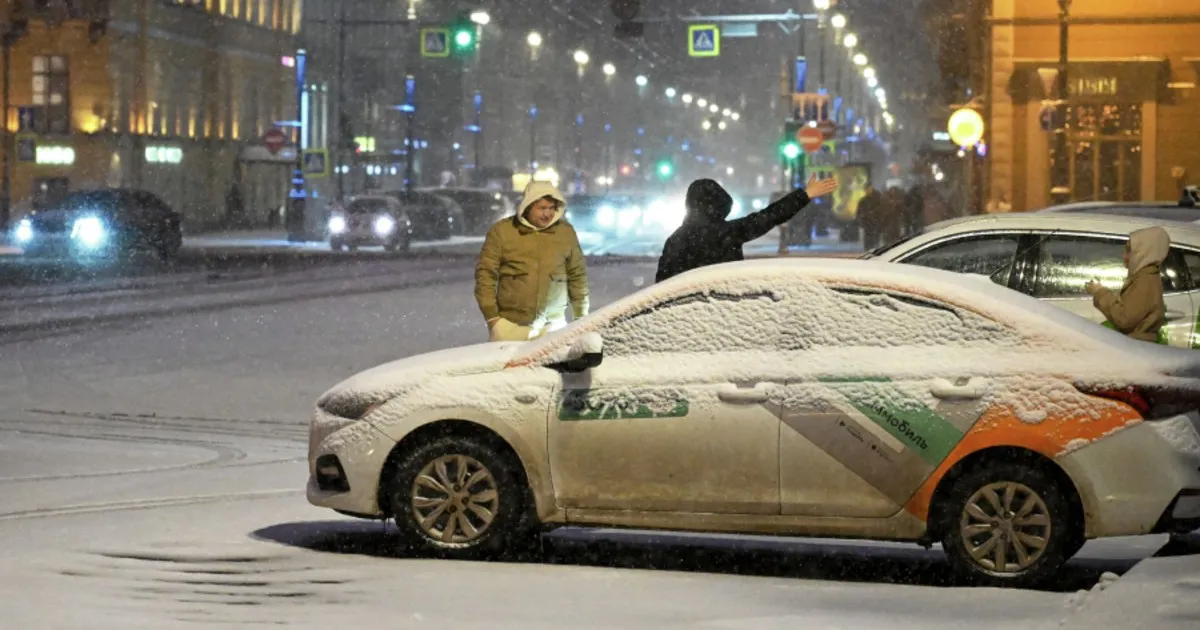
[{"x": 1160, "y": 593}]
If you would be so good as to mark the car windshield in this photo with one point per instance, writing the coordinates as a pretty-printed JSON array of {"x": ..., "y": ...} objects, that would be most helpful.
[{"x": 368, "y": 206}]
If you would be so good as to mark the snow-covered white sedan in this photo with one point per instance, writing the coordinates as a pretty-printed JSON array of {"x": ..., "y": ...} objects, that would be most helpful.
[
  {"x": 833, "y": 398},
  {"x": 1052, "y": 255}
]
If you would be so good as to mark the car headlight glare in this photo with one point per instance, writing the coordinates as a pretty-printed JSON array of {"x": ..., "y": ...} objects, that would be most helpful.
[
  {"x": 337, "y": 224},
  {"x": 384, "y": 226},
  {"x": 24, "y": 232},
  {"x": 89, "y": 231},
  {"x": 606, "y": 216}
]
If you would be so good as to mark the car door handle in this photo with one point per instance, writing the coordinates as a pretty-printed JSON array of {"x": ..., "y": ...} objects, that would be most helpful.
[
  {"x": 1174, "y": 315},
  {"x": 743, "y": 396},
  {"x": 974, "y": 389}
]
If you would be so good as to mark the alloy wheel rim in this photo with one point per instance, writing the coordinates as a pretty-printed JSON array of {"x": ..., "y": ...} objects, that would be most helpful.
[
  {"x": 455, "y": 500},
  {"x": 1005, "y": 527}
]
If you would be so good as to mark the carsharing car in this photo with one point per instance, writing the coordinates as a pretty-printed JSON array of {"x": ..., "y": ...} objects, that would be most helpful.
[
  {"x": 108, "y": 224},
  {"x": 370, "y": 220},
  {"x": 1052, "y": 255},
  {"x": 827, "y": 398}
]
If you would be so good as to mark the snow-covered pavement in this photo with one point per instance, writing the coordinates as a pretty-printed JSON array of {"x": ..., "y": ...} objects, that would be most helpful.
[{"x": 152, "y": 473}]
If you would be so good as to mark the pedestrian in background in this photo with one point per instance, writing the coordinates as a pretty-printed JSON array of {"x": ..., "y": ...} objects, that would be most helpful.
[
  {"x": 1138, "y": 309},
  {"x": 868, "y": 215},
  {"x": 531, "y": 269}
]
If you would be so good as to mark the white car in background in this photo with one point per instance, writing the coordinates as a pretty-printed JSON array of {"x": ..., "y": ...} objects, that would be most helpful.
[
  {"x": 1052, "y": 255},
  {"x": 798, "y": 397}
]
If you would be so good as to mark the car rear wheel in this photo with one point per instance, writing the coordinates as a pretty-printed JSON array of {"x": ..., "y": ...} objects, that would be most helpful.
[
  {"x": 459, "y": 497},
  {"x": 1007, "y": 525}
]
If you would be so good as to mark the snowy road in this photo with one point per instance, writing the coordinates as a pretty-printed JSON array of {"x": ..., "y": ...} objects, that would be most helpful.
[{"x": 152, "y": 472}]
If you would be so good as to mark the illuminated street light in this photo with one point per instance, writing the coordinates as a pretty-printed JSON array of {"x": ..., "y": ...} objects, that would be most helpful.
[
  {"x": 609, "y": 69},
  {"x": 706, "y": 125},
  {"x": 729, "y": 170},
  {"x": 869, "y": 72},
  {"x": 670, "y": 92},
  {"x": 735, "y": 116},
  {"x": 534, "y": 39},
  {"x": 880, "y": 94},
  {"x": 581, "y": 57},
  {"x": 687, "y": 99},
  {"x": 481, "y": 18},
  {"x": 641, "y": 80},
  {"x": 872, "y": 82},
  {"x": 838, "y": 21},
  {"x": 726, "y": 112},
  {"x": 850, "y": 41},
  {"x": 860, "y": 59},
  {"x": 702, "y": 103},
  {"x": 821, "y": 5},
  {"x": 721, "y": 125},
  {"x": 714, "y": 108}
]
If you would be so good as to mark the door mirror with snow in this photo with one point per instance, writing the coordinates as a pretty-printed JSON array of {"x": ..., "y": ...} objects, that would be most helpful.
[{"x": 584, "y": 354}]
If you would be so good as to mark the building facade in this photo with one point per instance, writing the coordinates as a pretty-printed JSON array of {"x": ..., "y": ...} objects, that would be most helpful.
[
  {"x": 1133, "y": 102},
  {"x": 170, "y": 96}
]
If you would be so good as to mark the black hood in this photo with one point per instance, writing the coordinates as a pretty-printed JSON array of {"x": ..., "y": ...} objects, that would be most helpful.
[{"x": 708, "y": 200}]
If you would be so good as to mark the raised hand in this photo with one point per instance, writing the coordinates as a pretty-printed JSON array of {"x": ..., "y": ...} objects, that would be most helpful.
[{"x": 820, "y": 187}]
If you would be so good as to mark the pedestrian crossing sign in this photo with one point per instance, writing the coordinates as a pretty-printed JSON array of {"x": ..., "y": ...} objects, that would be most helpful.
[
  {"x": 704, "y": 40},
  {"x": 435, "y": 42}
]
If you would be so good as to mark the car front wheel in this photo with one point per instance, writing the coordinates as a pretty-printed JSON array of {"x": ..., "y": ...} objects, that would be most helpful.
[
  {"x": 1008, "y": 525},
  {"x": 459, "y": 497}
]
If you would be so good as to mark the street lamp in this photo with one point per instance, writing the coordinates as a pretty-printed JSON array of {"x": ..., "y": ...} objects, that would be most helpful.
[
  {"x": 534, "y": 39},
  {"x": 702, "y": 103},
  {"x": 729, "y": 170},
  {"x": 838, "y": 21},
  {"x": 721, "y": 125},
  {"x": 821, "y": 5},
  {"x": 726, "y": 112},
  {"x": 869, "y": 72},
  {"x": 670, "y": 92},
  {"x": 687, "y": 99},
  {"x": 481, "y": 18},
  {"x": 872, "y": 82},
  {"x": 581, "y": 57},
  {"x": 706, "y": 125},
  {"x": 609, "y": 69},
  {"x": 641, "y": 80},
  {"x": 714, "y": 108},
  {"x": 735, "y": 116},
  {"x": 850, "y": 41},
  {"x": 880, "y": 94},
  {"x": 860, "y": 59}
]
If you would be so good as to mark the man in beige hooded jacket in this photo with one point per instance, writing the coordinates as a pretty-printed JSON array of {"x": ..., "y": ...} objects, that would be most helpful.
[
  {"x": 1138, "y": 310},
  {"x": 530, "y": 268}
]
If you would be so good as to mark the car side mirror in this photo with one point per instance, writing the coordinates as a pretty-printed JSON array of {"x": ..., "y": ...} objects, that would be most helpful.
[{"x": 584, "y": 354}]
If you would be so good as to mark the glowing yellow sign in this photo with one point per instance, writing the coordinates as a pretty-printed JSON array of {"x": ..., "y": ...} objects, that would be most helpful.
[{"x": 965, "y": 127}]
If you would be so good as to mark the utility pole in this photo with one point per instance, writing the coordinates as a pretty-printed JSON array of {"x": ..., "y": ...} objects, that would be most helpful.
[
  {"x": 410, "y": 144},
  {"x": 1060, "y": 187},
  {"x": 342, "y": 142},
  {"x": 14, "y": 29},
  {"x": 298, "y": 197},
  {"x": 533, "y": 114}
]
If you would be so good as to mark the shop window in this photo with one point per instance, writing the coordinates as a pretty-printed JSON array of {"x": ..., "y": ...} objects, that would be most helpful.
[
  {"x": 51, "y": 94},
  {"x": 1105, "y": 152}
]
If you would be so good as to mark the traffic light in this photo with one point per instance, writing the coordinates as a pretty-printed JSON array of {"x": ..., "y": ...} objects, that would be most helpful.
[
  {"x": 462, "y": 31},
  {"x": 791, "y": 145},
  {"x": 664, "y": 169},
  {"x": 791, "y": 150}
]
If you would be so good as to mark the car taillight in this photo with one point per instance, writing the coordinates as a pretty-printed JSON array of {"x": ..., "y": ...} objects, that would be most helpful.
[{"x": 1131, "y": 396}]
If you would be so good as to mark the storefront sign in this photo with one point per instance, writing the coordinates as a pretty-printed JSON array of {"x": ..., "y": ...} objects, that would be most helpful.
[
  {"x": 1094, "y": 86},
  {"x": 55, "y": 155},
  {"x": 163, "y": 155}
]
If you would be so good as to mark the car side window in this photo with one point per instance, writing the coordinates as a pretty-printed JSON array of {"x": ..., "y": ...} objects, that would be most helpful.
[
  {"x": 707, "y": 321},
  {"x": 867, "y": 317},
  {"x": 1191, "y": 260},
  {"x": 986, "y": 255},
  {"x": 1067, "y": 263}
]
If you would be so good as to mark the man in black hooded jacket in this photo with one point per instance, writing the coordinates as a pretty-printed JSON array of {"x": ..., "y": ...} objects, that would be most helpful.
[{"x": 706, "y": 238}]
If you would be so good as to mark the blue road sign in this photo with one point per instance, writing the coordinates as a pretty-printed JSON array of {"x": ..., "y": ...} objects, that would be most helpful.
[
  {"x": 435, "y": 42},
  {"x": 704, "y": 40}
]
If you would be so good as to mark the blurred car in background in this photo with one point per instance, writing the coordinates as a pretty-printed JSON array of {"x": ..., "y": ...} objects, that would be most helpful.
[
  {"x": 434, "y": 217},
  {"x": 371, "y": 220},
  {"x": 102, "y": 224},
  {"x": 615, "y": 214},
  {"x": 481, "y": 207}
]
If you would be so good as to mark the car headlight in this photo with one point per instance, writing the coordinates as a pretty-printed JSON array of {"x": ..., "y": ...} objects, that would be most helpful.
[
  {"x": 737, "y": 208},
  {"x": 384, "y": 226},
  {"x": 628, "y": 217},
  {"x": 606, "y": 216},
  {"x": 24, "y": 231},
  {"x": 337, "y": 224},
  {"x": 89, "y": 231}
]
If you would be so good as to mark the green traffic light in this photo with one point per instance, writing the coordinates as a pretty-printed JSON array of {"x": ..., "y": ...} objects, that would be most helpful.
[
  {"x": 664, "y": 169},
  {"x": 464, "y": 38},
  {"x": 791, "y": 150}
]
